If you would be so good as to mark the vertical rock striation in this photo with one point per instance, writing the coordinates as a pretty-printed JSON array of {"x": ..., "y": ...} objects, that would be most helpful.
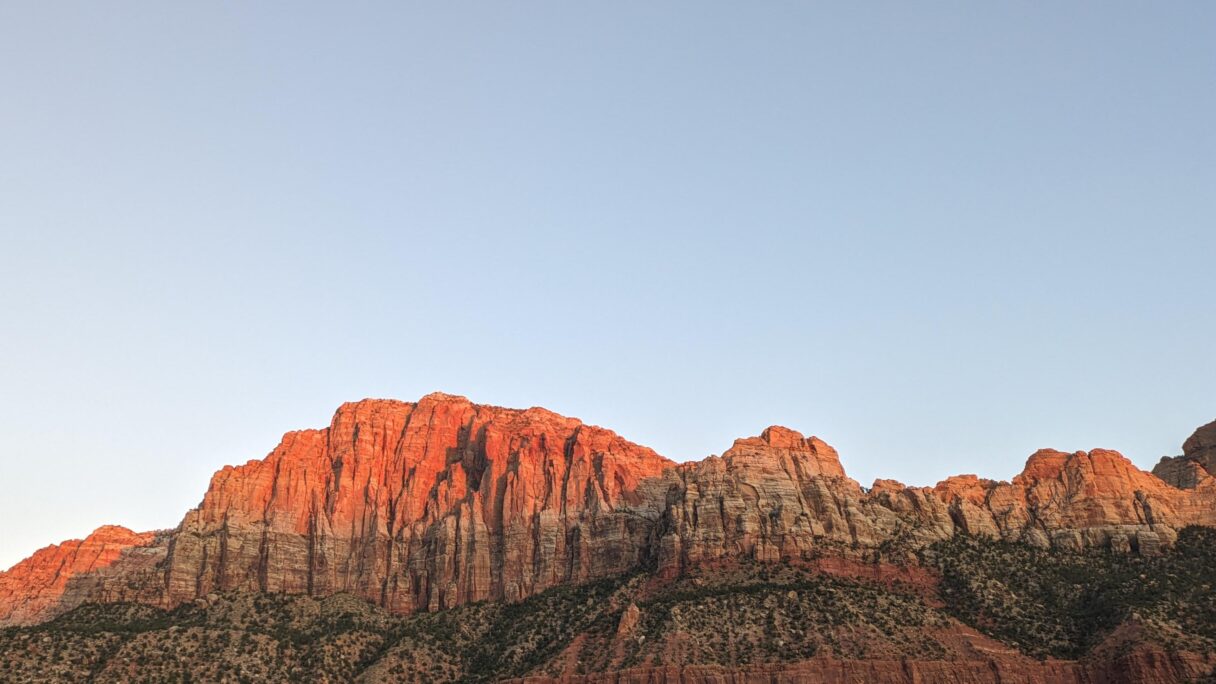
[
  {"x": 427, "y": 505},
  {"x": 423, "y": 506},
  {"x": 1083, "y": 499}
]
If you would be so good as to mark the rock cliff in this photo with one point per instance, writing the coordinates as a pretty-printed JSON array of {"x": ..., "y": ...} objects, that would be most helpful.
[
  {"x": 423, "y": 506},
  {"x": 427, "y": 505},
  {"x": 34, "y": 588}
]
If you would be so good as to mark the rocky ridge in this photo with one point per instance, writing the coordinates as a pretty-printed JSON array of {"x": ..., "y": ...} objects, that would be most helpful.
[
  {"x": 973, "y": 610},
  {"x": 442, "y": 502}
]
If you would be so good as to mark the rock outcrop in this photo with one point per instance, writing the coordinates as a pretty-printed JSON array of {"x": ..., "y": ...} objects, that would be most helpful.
[
  {"x": 427, "y": 505},
  {"x": 423, "y": 506},
  {"x": 780, "y": 495},
  {"x": 33, "y": 589},
  {"x": 1201, "y": 447},
  {"x": 1082, "y": 499},
  {"x": 1196, "y": 467}
]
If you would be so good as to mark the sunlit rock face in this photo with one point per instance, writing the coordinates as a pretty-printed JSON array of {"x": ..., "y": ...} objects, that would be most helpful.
[
  {"x": 424, "y": 506},
  {"x": 431, "y": 504},
  {"x": 97, "y": 567},
  {"x": 781, "y": 495},
  {"x": 1076, "y": 500}
]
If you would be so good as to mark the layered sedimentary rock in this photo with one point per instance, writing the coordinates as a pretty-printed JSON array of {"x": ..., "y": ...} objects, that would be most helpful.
[
  {"x": 781, "y": 495},
  {"x": 33, "y": 589},
  {"x": 423, "y": 506},
  {"x": 426, "y": 505},
  {"x": 1071, "y": 501}
]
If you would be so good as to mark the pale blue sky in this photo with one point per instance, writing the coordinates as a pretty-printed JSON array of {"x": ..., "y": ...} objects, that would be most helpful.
[{"x": 938, "y": 235}]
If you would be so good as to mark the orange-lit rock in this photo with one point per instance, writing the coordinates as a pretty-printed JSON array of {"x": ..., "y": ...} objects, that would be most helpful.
[
  {"x": 426, "y": 505},
  {"x": 423, "y": 506},
  {"x": 1070, "y": 501},
  {"x": 33, "y": 589},
  {"x": 782, "y": 495}
]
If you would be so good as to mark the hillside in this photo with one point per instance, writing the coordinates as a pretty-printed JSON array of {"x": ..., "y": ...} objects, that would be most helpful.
[
  {"x": 1004, "y": 607},
  {"x": 448, "y": 541}
]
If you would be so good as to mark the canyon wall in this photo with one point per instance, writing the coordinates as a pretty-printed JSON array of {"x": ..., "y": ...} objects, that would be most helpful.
[{"x": 427, "y": 505}]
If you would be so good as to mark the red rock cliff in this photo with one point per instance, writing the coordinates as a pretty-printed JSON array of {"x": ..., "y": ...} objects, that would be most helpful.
[
  {"x": 33, "y": 588},
  {"x": 421, "y": 506},
  {"x": 1070, "y": 501}
]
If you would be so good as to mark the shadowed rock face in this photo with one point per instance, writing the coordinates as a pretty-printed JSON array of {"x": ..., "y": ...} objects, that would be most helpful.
[
  {"x": 1197, "y": 462},
  {"x": 1201, "y": 447},
  {"x": 427, "y": 505}
]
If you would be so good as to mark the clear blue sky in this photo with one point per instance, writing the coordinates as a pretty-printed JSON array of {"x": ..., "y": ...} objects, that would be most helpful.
[{"x": 938, "y": 235}]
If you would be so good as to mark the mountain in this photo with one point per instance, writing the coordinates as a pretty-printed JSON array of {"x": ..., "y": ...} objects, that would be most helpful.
[{"x": 443, "y": 509}]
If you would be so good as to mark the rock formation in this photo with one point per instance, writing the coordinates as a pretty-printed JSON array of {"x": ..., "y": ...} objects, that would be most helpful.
[
  {"x": 1070, "y": 501},
  {"x": 34, "y": 588},
  {"x": 1201, "y": 447},
  {"x": 1197, "y": 464},
  {"x": 426, "y": 505},
  {"x": 423, "y": 506}
]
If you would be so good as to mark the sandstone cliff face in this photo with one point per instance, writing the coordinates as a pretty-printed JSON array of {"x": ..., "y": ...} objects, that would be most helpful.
[
  {"x": 1071, "y": 501},
  {"x": 780, "y": 495},
  {"x": 33, "y": 589},
  {"x": 422, "y": 506}
]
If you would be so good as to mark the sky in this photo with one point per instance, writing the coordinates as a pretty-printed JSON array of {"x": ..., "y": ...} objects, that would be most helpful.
[{"x": 938, "y": 235}]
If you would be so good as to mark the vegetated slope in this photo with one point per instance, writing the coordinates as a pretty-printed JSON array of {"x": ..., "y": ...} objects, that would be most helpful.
[
  {"x": 1066, "y": 604},
  {"x": 447, "y": 541},
  {"x": 1104, "y": 608}
]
